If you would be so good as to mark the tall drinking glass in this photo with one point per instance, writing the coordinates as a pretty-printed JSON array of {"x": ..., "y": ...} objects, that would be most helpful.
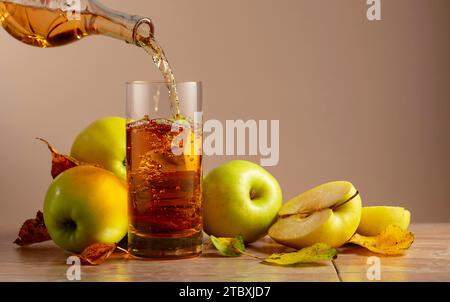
[{"x": 164, "y": 170}]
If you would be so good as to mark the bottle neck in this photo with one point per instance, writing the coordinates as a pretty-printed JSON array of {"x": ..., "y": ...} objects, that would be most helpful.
[{"x": 118, "y": 25}]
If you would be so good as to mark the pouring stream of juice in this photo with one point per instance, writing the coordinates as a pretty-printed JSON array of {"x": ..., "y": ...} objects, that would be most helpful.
[{"x": 51, "y": 23}]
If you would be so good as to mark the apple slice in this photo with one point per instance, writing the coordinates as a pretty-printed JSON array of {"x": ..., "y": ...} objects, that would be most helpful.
[
  {"x": 375, "y": 219},
  {"x": 329, "y": 213}
]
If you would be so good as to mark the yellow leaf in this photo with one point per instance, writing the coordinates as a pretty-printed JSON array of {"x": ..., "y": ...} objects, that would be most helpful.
[
  {"x": 392, "y": 241},
  {"x": 230, "y": 247},
  {"x": 317, "y": 252}
]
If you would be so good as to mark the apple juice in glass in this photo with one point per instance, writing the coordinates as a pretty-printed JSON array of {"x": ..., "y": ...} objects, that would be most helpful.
[{"x": 164, "y": 170}]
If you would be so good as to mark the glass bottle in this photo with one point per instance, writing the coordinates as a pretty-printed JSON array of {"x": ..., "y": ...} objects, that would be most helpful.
[{"x": 49, "y": 23}]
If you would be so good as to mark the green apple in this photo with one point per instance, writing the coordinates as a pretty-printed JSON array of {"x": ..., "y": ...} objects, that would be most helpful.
[
  {"x": 86, "y": 205},
  {"x": 240, "y": 198},
  {"x": 329, "y": 213},
  {"x": 103, "y": 143},
  {"x": 375, "y": 219}
]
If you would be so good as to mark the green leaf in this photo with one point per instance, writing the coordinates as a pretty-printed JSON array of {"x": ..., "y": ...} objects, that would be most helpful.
[
  {"x": 317, "y": 252},
  {"x": 230, "y": 247}
]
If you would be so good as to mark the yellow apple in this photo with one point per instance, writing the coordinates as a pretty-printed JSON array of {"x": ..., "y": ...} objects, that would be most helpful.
[
  {"x": 103, "y": 143},
  {"x": 329, "y": 213},
  {"x": 375, "y": 219},
  {"x": 86, "y": 205}
]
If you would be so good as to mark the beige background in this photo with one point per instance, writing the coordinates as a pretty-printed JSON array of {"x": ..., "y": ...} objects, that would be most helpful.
[{"x": 363, "y": 101}]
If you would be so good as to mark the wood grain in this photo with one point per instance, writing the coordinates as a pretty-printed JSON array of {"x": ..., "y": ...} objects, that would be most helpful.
[{"x": 427, "y": 260}]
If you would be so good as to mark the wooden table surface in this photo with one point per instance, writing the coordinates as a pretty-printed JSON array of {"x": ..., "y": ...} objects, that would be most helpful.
[{"x": 427, "y": 260}]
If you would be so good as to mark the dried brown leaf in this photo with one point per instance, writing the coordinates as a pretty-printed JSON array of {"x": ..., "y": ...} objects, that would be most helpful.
[
  {"x": 33, "y": 231},
  {"x": 97, "y": 253},
  {"x": 60, "y": 162}
]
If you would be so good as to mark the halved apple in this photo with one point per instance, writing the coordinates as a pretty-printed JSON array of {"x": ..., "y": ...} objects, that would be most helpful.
[
  {"x": 329, "y": 213},
  {"x": 375, "y": 219}
]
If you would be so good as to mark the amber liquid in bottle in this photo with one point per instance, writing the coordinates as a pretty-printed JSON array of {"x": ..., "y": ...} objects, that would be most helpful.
[{"x": 42, "y": 27}]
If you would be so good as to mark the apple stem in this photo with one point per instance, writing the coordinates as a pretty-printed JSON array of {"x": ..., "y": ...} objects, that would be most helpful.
[
  {"x": 252, "y": 194},
  {"x": 348, "y": 200}
]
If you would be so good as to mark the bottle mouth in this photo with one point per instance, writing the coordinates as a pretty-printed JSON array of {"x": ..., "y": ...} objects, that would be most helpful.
[{"x": 138, "y": 26}]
